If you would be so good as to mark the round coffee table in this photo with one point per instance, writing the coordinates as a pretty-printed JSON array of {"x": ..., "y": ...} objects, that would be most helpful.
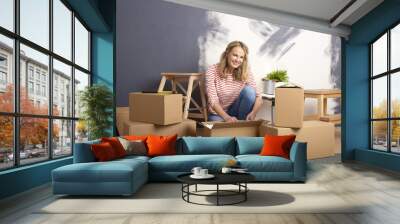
[{"x": 238, "y": 179}]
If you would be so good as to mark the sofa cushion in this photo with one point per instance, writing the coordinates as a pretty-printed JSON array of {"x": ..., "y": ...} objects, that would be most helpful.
[
  {"x": 111, "y": 171},
  {"x": 208, "y": 145},
  {"x": 185, "y": 163},
  {"x": 257, "y": 163},
  {"x": 249, "y": 145}
]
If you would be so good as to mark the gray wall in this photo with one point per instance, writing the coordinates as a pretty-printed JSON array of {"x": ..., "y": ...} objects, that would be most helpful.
[{"x": 154, "y": 36}]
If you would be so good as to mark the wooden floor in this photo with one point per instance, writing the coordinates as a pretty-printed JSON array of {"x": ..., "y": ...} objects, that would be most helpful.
[{"x": 378, "y": 189}]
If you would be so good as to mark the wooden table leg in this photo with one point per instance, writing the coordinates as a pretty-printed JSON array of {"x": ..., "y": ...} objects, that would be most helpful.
[
  {"x": 320, "y": 109},
  {"x": 203, "y": 99},
  {"x": 188, "y": 97},
  {"x": 162, "y": 84}
]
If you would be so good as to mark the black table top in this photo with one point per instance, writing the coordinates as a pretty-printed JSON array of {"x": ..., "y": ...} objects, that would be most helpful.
[{"x": 220, "y": 178}]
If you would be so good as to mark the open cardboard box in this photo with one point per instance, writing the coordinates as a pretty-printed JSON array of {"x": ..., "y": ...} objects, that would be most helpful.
[
  {"x": 239, "y": 128},
  {"x": 184, "y": 128}
]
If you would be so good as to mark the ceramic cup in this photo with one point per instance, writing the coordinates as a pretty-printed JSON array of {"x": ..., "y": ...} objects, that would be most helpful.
[
  {"x": 196, "y": 171},
  {"x": 203, "y": 172},
  {"x": 226, "y": 170}
]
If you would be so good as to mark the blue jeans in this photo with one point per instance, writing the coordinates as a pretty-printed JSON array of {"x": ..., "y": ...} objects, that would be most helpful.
[{"x": 241, "y": 107}]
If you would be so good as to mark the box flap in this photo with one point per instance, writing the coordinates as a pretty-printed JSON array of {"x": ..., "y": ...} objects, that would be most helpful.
[
  {"x": 290, "y": 85},
  {"x": 240, "y": 123}
]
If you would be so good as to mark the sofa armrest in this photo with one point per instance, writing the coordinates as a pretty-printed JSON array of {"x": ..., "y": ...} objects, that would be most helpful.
[
  {"x": 83, "y": 152},
  {"x": 298, "y": 155}
]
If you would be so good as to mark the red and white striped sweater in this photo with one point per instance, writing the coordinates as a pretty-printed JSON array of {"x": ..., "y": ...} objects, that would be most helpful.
[{"x": 224, "y": 90}]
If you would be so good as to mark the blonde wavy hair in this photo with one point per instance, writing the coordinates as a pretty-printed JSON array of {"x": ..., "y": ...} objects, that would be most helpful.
[{"x": 240, "y": 73}]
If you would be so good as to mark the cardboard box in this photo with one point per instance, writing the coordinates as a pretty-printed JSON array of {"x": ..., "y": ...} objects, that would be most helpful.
[
  {"x": 319, "y": 135},
  {"x": 155, "y": 108},
  {"x": 289, "y": 107},
  {"x": 185, "y": 128},
  {"x": 240, "y": 128},
  {"x": 122, "y": 115}
]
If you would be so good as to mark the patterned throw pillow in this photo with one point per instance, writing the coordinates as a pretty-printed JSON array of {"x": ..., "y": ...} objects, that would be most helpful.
[{"x": 133, "y": 147}]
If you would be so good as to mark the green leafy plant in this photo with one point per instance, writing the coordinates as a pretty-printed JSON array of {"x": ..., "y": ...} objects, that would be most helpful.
[
  {"x": 96, "y": 102},
  {"x": 277, "y": 76}
]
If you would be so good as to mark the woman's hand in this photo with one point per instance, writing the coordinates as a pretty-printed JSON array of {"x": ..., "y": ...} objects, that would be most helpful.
[
  {"x": 230, "y": 119},
  {"x": 251, "y": 116}
]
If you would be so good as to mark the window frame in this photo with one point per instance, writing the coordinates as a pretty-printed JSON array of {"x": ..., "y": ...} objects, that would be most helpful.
[
  {"x": 388, "y": 74},
  {"x": 16, "y": 114}
]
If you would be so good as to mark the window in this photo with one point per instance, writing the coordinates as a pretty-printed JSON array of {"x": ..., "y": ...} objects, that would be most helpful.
[
  {"x": 45, "y": 131},
  {"x": 385, "y": 94},
  {"x": 30, "y": 72},
  {"x": 30, "y": 87},
  {"x": 7, "y": 14},
  {"x": 81, "y": 45},
  {"x": 3, "y": 78},
  {"x": 6, "y": 74}
]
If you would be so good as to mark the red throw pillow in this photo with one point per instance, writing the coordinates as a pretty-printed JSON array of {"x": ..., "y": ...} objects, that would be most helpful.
[
  {"x": 103, "y": 152},
  {"x": 277, "y": 145},
  {"x": 116, "y": 145},
  {"x": 161, "y": 145}
]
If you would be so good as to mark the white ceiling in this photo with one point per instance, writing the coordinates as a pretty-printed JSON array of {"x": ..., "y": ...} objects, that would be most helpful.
[{"x": 315, "y": 15}]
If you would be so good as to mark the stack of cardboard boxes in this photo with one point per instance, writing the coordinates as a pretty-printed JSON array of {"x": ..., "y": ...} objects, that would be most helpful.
[
  {"x": 288, "y": 119},
  {"x": 155, "y": 114}
]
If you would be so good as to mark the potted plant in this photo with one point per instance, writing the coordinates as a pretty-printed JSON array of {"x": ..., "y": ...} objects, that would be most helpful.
[
  {"x": 272, "y": 78},
  {"x": 96, "y": 102}
]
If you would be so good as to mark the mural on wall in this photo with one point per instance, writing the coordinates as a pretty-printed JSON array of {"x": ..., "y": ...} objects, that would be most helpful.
[{"x": 311, "y": 59}]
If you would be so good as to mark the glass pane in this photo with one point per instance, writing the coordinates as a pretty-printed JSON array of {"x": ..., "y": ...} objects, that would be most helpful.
[
  {"x": 379, "y": 98},
  {"x": 379, "y": 55},
  {"x": 33, "y": 139},
  {"x": 6, "y": 74},
  {"x": 395, "y": 136},
  {"x": 81, "y": 45},
  {"x": 81, "y": 131},
  {"x": 62, "y": 138},
  {"x": 379, "y": 135},
  {"x": 6, "y": 142},
  {"x": 81, "y": 81},
  {"x": 62, "y": 29},
  {"x": 395, "y": 47},
  {"x": 35, "y": 21},
  {"x": 62, "y": 89},
  {"x": 34, "y": 97},
  {"x": 395, "y": 94},
  {"x": 7, "y": 14}
]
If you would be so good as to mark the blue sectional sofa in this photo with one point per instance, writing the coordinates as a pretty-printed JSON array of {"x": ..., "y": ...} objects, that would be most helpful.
[{"x": 125, "y": 176}]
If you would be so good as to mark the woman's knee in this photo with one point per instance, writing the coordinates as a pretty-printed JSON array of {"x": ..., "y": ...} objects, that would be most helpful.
[
  {"x": 214, "y": 117},
  {"x": 249, "y": 93}
]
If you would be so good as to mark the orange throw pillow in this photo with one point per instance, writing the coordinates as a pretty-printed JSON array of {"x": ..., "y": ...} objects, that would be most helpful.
[
  {"x": 116, "y": 145},
  {"x": 161, "y": 145},
  {"x": 135, "y": 137},
  {"x": 277, "y": 145},
  {"x": 103, "y": 152}
]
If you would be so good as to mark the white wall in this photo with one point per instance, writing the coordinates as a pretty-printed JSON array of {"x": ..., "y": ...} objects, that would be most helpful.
[{"x": 306, "y": 55}]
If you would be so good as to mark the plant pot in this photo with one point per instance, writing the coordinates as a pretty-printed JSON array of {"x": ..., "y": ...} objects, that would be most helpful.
[{"x": 269, "y": 86}]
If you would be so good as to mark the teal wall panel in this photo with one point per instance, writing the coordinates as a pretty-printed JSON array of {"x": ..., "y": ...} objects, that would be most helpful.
[
  {"x": 99, "y": 15},
  {"x": 24, "y": 178},
  {"x": 356, "y": 97}
]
